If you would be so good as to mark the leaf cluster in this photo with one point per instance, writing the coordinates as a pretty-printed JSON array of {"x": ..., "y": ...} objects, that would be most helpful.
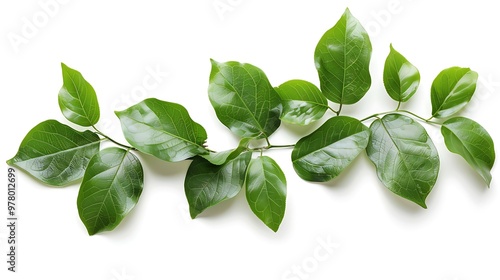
[{"x": 405, "y": 158}]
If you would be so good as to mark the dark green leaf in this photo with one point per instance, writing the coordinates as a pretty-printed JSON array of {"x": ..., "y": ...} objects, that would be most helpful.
[
  {"x": 401, "y": 78},
  {"x": 406, "y": 160},
  {"x": 207, "y": 184},
  {"x": 222, "y": 157},
  {"x": 266, "y": 191},
  {"x": 55, "y": 153},
  {"x": 244, "y": 100},
  {"x": 77, "y": 98},
  {"x": 163, "y": 129},
  {"x": 342, "y": 58},
  {"x": 471, "y": 141},
  {"x": 325, "y": 153},
  {"x": 303, "y": 102},
  {"x": 452, "y": 90},
  {"x": 110, "y": 189}
]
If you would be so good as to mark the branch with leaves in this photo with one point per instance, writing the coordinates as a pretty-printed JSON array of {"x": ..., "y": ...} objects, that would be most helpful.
[{"x": 405, "y": 158}]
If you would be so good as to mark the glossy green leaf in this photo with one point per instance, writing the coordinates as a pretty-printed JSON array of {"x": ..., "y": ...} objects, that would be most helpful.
[
  {"x": 342, "y": 58},
  {"x": 207, "y": 184},
  {"x": 452, "y": 89},
  {"x": 401, "y": 78},
  {"x": 325, "y": 153},
  {"x": 163, "y": 129},
  {"x": 77, "y": 98},
  {"x": 407, "y": 161},
  {"x": 55, "y": 153},
  {"x": 471, "y": 141},
  {"x": 222, "y": 157},
  {"x": 266, "y": 191},
  {"x": 244, "y": 100},
  {"x": 110, "y": 189},
  {"x": 303, "y": 103}
]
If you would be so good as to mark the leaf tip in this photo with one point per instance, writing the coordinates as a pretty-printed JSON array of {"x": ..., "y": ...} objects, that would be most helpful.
[
  {"x": 422, "y": 204},
  {"x": 214, "y": 62},
  {"x": 65, "y": 68},
  {"x": 91, "y": 231},
  {"x": 274, "y": 228},
  {"x": 193, "y": 213},
  {"x": 488, "y": 182}
]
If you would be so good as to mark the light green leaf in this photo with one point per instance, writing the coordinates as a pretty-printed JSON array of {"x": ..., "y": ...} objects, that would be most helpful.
[
  {"x": 222, "y": 157},
  {"x": 266, "y": 191},
  {"x": 207, "y": 184},
  {"x": 452, "y": 89},
  {"x": 401, "y": 78},
  {"x": 244, "y": 100},
  {"x": 163, "y": 129},
  {"x": 325, "y": 153},
  {"x": 55, "y": 153},
  {"x": 77, "y": 98},
  {"x": 471, "y": 141},
  {"x": 406, "y": 160},
  {"x": 303, "y": 102},
  {"x": 110, "y": 189},
  {"x": 342, "y": 58}
]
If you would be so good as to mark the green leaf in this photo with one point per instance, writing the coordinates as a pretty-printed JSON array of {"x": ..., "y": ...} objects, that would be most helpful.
[
  {"x": 406, "y": 160},
  {"x": 325, "y": 153},
  {"x": 401, "y": 78},
  {"x": 110, "y": 189},
  {"x": 303, "y": 102},
  {"x": 342, "y": 58},
  {"x": 77, "y": 98},
  {"x": 266, "y": 191},
  {"x": 207, "y": 184},
  {"x": 244, "y": 100},
  {"x": 222, "y": 157},
  {"x": 55, "y": 153},
  {"x": 163, "y": 129},
  {"x": 452, "y": 89},
  {"x": 471, "y": 141}
]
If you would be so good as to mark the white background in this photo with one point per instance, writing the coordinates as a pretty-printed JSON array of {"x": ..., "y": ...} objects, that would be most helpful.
[{"x": 373, "y": 233}]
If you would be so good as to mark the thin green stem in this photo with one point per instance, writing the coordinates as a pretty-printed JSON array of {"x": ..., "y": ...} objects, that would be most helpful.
[
  {"x": 267, "y": 141},
  {"x": 370, "y": 117},
  {"x": 333, "y": 110},
  {"x": 340, "y": 109},
  {"x": 402, "y": 111},
  {"x": 399, "y": 106},
  {"x": 258, "y": 149},
  {"x": 281, "y": 146},
  {"x": 268, "y": 147},
  {"x": 113, "y": 141},
  {"x": 421, "y": 118}
]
